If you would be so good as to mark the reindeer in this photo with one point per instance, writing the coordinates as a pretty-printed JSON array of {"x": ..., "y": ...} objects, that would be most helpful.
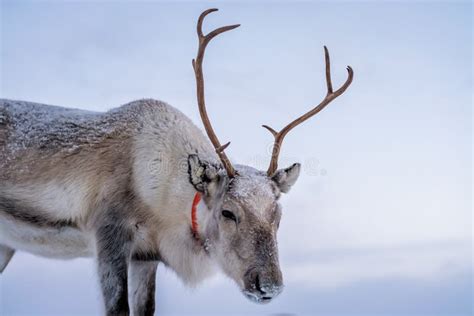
[{"x": 138, "y": 186}]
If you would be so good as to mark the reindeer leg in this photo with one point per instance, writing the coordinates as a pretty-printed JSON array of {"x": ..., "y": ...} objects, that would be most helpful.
[
  {"x": 114, "y": 241},
  {"x": 142, "y": 287},
  {"x": 6, "y": 254}
]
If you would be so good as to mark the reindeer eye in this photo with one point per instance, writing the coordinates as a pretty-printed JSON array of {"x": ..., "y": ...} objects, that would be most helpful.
[{"x": 229, "y": 215}]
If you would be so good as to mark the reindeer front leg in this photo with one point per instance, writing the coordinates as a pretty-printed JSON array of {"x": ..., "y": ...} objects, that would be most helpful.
[
  {"x": 114, "y": 243},
  {"x": 142, "y": 287}
]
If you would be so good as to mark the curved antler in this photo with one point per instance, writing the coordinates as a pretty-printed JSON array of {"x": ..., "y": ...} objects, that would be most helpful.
[
  {"x": 331, "y": 95},
  {"x": 197, "y": 65}
]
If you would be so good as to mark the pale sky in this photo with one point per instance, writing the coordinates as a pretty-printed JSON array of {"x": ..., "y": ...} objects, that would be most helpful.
[{"x": 380, "y": 221}]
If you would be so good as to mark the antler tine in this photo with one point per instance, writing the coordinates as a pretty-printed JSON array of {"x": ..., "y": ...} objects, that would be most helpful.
[
  {"x": 197, "y": 66},
  {"x": 330, "y": 96}
]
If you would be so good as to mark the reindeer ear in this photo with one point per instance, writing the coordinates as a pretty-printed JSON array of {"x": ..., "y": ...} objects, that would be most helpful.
[
  {"x": 285, "y": 178},
  {"x": 208, "y": 179}
]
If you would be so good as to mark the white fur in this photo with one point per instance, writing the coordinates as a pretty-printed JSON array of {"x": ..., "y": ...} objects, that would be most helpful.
[
  {"x": 61, "y": 243},
  {"x": 58, "y": 199}
]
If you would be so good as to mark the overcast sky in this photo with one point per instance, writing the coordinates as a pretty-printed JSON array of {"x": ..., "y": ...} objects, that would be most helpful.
[{"x": 380, "y": 220}]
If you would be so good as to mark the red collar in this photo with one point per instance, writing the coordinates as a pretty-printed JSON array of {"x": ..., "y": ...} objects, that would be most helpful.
[{"x": 194, "y": 223}]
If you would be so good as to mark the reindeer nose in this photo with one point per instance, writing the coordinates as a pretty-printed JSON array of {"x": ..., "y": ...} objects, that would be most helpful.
[
  {"x": 263, "y": 287},
  {"x": 267, "y": 289}
]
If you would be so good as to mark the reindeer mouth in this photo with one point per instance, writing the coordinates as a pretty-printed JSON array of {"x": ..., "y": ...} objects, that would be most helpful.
[{"x": 257, "y": 297}]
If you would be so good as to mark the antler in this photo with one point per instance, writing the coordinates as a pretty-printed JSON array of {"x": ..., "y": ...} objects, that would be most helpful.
[
  {"x": 197, "y": 65},
  {"x": 331, "y": 95}
]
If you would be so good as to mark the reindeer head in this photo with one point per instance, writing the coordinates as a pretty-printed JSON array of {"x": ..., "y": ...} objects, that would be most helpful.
[
  {"x": 244, "y": 214},
  {"x": 241, "y": 229}
]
